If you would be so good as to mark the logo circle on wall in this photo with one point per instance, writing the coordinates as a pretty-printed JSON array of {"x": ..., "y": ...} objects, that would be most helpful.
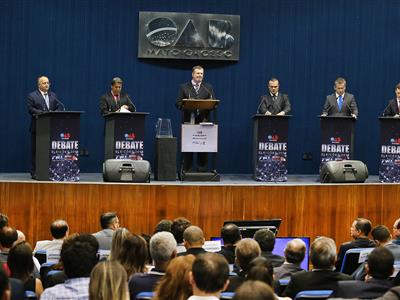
[{"x": 161, "y": 32}]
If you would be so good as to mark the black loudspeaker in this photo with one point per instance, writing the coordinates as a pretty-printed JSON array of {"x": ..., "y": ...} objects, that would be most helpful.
[
  {"x": 344, "y": 171},
  {"x": 165, "y": 159},
  {"x": 126, "y": 170}
]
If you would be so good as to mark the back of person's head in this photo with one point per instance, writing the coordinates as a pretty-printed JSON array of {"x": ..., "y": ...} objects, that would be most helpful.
[
  {"x": 59, "y": 229},
  {"x": 230, "y": 234},
  {"x": 79, "y": 255},
  {"x": 3, "y": 221},
  {"x": 295, "y": 251},
  {"x": 20, "y": 261},
  {"x": 4, "y": 285},
  {"x": 380, "y": 263},
  {"x": 323, "y": 253},
  {"x": 261, "y": 269},
  {"x": 175, "y": 283},
  {"x": 266, "y": 239},
  {"x": 246, "y": 250},
  {"x": 178, "y": 226},
  {"x": 108, "y": 219},
  {"x": 254, "y": 290},
  {"x": 162, "y": 246},
  {"x": 381, "y": 234},
  {"x": 163, "y": 225},
  {"x": 193, "y": 235},
  {"x": 118, "y": 237},
  {"x": 363, "y": 225},
  {"x": 108, "y": 281},
  {"x": 210, "y": 272},
  {"x": 133, "y": 254},
  {"x": 8, "y": 236}
]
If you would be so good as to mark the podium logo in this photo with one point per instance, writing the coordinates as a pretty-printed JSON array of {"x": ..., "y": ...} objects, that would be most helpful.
[
  {"x": 336, "y": 140},
  {"x": 65, "y": 136},
  {"x": 130, "y": 136},
  {"x": 273, "y": 137},
  {"x": 395, "y": 141}
]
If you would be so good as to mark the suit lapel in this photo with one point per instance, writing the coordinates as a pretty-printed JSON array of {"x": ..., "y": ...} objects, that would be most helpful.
[{"x": 43, "y": 102}]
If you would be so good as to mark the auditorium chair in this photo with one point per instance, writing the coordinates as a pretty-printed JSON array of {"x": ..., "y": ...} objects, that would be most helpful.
[
  {"x": 227, "y": 295},
  {"x": 41, "y": 256},
  {"x": 30, "y": 295},
  {"x": 144, "y": 295},
  {"x": 281, "y": 285},
  {"x": 313, "y": 294},
  {"x": 350, "y": 260}
]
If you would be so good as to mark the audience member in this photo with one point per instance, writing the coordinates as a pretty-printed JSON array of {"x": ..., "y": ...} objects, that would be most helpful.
[
  {"x": 254, "y": 290},
  {"x": 59, "y": 231},
  {"x": 3, "y": 221},
  {"x": 117, "y": 239},
  {"x": 266, "y": 239},
  {"x": 163, "y": 250},
  {"x": 359, "y": 231},
  {"x": 382, "y": 237},
  {"x": 175, "y": 283},
  {"x": 178, "y": 226},
  {"x": 5, "y": 293},
  {"x": 193, "y": 240},
  {"x": 163, "y": 225},
  {"x": 261, "y": 269},
  {"x": 7, "y": 238},
  {"x": 20, "y": 263},
  {"x": 396, "y": 232},
  {"x": 109, "y": 223},
  {"x": 209, "y": 276},
  {"x": 230, "y": 235},
  {"x": 295, "y": 252},
  {"x": 108, "y": 281},
  {"x": 323, "y": 276},
  {"x": 133, "y": 254},
  {"x": 78, "y": 257},
  {"x": 379, "y": 268}
]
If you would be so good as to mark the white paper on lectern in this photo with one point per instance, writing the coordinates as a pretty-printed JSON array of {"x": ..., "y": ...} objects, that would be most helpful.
[
  {"x": 124, "y": 110},
  {"x": 199, "y": 138}
]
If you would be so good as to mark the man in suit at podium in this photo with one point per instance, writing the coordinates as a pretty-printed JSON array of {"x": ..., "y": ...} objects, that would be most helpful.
[
  {"x": 195, "y": 89},
  {"x": 116, "y": 100},
  {"x": 40, "y": 101},
  {"x": 274, "y": 103},
  {"x": 340, "y": 103},
  {"x": 392, "y": 109}
]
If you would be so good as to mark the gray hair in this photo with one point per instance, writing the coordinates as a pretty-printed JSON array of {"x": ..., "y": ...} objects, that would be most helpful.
[
  {"x": 162, "y": 245},
  {"x": 323, "y": 252},
  {"x": 116, "y": 80}
]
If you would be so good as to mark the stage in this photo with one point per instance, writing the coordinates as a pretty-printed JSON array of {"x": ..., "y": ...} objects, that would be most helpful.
[{"x": 307, "y": 207}]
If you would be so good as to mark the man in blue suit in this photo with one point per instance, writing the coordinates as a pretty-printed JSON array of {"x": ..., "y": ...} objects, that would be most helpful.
[{"x": 40, "y": 101}]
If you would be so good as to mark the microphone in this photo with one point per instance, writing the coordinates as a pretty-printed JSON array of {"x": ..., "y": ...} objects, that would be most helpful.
[
  {"x": 351, "y": 112},
  {"x": 384, "y": 111},
  {"x": 211, "y": 97},
  {"x": 259, "y": 105},
  {"x": 58, "y": 101},
  {"x": 134, "y": 107}
]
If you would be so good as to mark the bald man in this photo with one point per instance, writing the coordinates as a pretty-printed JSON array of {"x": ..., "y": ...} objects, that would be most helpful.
[
  {"x": 193, "y": 240},
  {"x": 40, "y": 101},
  {"x": 295, "y": 252}
]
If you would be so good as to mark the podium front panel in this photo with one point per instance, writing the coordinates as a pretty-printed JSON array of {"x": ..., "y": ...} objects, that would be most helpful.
[
  {"x": 199, "y": 138},
  {"x": 389, "y": 169}
]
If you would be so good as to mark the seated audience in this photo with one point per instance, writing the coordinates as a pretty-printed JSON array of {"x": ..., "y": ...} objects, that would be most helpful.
[
  {"x": 133, "y": 254},
  {"x": 378, "y": 269},
  {"x": 396, "y": 232},
  {"x": 193, "y": 240},
  {"x": 254, "y": 290},
  {"x": 5, "y": 293},
  {"x": 323, "y": 276},
  {"x": 209, "y": 276},
  {"x": 178, "y": 226},
  {"x": 261, "y": 269},
  {"x": 266, "y": 239},
  {"x": 382, "y": 237},
  {"x": 7, "y": 238},
  {"x": 295, "y": 252},
  {"x": 230, "y": 235},
  {"x": 3, "y": 221},
  {"x": 79, "y": 257},
  {"x": 119, "y": 236},
  {"x": 175, "y": 283},
  {"x": 20, "y": 263},
  {"x": 163, "y": 225},
  {"x": 392, "y": 294},
  {"x": 59, "y": 231},
  {"x": 108, "y": 281},
  {"x": 109, "y": 223},
  {"x": 359, "y": 230},
  {"x": 163, "y": 250}
]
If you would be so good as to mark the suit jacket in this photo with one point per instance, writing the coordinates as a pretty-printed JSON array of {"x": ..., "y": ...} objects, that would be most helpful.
[
  {"x": 104, "y": 237},
  {"x": 276, "y": 260},
  {"x": 349, "y": 106},
  {"x": 229, "y": 253},
  {"x": 187, "y": 91},
  {"x": 108, "y": 103},
  {"x": 281, "y": 103},
  {"x": 144, "y": 282},
  {"x": 37, "y": 105},
  {"x": 391, "y": 109},
  {"x": 392, "y": 294},
  {"x": 314, "y": 280},
  {"x": 286, "y": 270},
  {"x": 373, "y": 288},
  {"x": 194, "y": 251},
  {"x": 357, "y": 243}
]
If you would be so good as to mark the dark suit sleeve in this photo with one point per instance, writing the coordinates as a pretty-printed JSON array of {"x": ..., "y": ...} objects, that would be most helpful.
[
  {"x": 391, "y": 109},
  {"x": 103, "y": 105},
  {"x": 340, "y": 257},
  {"x": 211, "y": 90},
  {"x": 327, "y": 106},
  {"x": 58, "y": 105},
  {"x": 353, "y": 106},
  {"x": 286, "y": 104},
  {"x": 182, "y": 94},
  {"x": 262, "y": 108},
  {"x": 131, "y": 106},
  {"x": 33, "y": 108}
]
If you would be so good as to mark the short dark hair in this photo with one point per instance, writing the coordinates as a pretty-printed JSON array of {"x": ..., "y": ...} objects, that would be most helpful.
[
  {"x": 363, "y": 225},
  {"x": 58, "y": 229},
  {"x": 380, "y": 263},
  {"x": 381, "y": 233},
  {"x": 107, "y": 219},
  {"x": 210, "y": 272},
  {"x": 4, "y": 282},
  {"x": 261, "y": 269},
  {"x": 266, "y": 239},
  {"x": 178, "y": 226},
  {"x": 79, "y": 255},
  {"x": 8, "y": 236},
  {"x": 230, "y": 233},
  {"x": 20, "y": 261},
  {"x": 116, "y": 80},
  {"x": 3, "y": 221},
  {"x": 254, "y": 290},
  {"x": 163, "y": 225}
]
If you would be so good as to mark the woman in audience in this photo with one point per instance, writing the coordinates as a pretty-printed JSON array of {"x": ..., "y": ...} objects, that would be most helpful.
[
  {"x": 20, "y": 263},
  {"x": 175, "y": 283},
  {"x": 108, "y": 281},
  {"x": 116, "y": 245},
  {"x": 254, "y": 290}
]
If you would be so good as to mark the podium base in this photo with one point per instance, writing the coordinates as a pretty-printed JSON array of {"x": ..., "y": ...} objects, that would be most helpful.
[{"x": 200, "y": 176}]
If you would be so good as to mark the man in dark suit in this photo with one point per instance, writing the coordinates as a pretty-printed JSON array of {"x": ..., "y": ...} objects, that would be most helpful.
[
  {"x": 266, "y": 239},
  {"x": 116, "y": 100},
  {"x": 274, "y": 103},
  {"x": 295, "y": 252},
  {"x": 392, "y": 109},
  {"x": 40, "y": 101},
  {"x": 323, "y": 276},
  {"x": 379, "y": 268},
  {"x": 195, "y": 89},
  {"x": 230, "y": 234},
  {"x": 340, "y": 103}
]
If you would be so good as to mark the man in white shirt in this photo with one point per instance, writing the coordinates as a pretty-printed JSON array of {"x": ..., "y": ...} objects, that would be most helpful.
[{"x": 59, "y": 230}]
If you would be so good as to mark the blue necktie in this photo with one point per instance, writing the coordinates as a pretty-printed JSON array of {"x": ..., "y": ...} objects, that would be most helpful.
[{"x": 340, "y": 103}]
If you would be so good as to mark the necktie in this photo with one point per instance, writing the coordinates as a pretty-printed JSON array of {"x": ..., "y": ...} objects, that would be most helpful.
[
  {"x": 340, "y": 103},
  {"x": 197, "y": 87},
  {"x": 46, "y": 99}
]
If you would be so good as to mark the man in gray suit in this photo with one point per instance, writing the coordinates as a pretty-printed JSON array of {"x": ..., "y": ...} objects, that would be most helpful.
[
  {"x": 340, "y": 103},
  {"x": 274, "y": 103},
  {"x": 109, "y": 222}
]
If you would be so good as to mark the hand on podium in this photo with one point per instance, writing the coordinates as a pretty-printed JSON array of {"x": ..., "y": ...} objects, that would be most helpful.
[
  {"x": 354, "y": 116},
  {"x": 282, "y": 113},
  {"x": 268, "y": 113}
]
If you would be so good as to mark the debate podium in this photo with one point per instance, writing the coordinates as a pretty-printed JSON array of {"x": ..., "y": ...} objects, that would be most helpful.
[
  {"x": 270, "y": 139},
  {"x": 389, "y": 169},
  {"x": 57, "y": 146},
  {"x": 199, "y": 137}
]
